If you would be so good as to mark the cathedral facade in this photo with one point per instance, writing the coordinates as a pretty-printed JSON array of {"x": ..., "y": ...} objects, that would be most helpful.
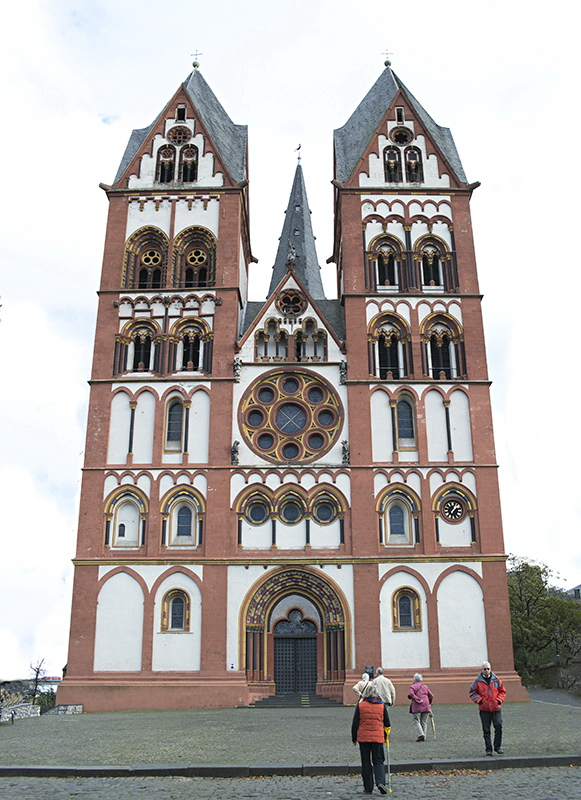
[{"x": 278, "y": 494}]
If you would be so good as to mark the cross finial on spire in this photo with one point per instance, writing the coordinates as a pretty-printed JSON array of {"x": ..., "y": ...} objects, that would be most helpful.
[
  {"x": 387, "y": 54},
  {"x": 196, "y": 55},
  {"x": 298, "y": 150}
]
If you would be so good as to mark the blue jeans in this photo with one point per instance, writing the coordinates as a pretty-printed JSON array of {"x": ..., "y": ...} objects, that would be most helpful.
[
  {"x": 494, "y": 717},
  {"x": 372, "y": 755}
]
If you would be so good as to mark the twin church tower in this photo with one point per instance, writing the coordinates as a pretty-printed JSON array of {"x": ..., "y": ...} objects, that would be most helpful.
[{"x": 277, "y": 494}]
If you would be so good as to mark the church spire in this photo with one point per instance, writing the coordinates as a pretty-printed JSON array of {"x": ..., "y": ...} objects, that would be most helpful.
[{"x": 296, "y": 249}]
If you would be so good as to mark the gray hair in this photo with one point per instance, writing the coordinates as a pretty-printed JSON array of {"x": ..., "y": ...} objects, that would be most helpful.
[
  {"x": 365, "y": 677},
  {"x": 370, "y": 690},
  {"x": 379, "y": 671},
  {"x": 417, "y": 678}
]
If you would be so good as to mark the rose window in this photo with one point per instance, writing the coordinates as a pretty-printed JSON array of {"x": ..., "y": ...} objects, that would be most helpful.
[
  {"x": 291, "y": 417},
  {"x": 197, "y": 256},
  {"x": 179, "y": 135}
]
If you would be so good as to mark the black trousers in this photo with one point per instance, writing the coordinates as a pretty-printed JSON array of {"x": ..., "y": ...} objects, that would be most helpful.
[
  {"x": 494, "y": 717},
  {"x": 372, "y": 755}
]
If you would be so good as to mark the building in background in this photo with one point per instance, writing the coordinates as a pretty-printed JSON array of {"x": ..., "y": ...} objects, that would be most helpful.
[{"x": 279, "y": 494}]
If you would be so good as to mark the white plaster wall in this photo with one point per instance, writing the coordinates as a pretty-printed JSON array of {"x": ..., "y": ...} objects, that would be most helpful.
[
  {"x": 403, "y": 649},
  {"x": 462, "y": 624},
  {"x": 376, "y": 174},
  {"x": 256, "y": 537},
  {"x": 139, "y": 217},
  {"x": 197, "y": 215},
  {"x": 436, "y": 427},
  {"x": 431, "y": 571},
  {"x": 381, "y": 429},
  {"x": 240, "y": 579},
  {"x": 325, "y": 536},
  {"x": 243, "y": 271},
  {"x": 178, "y": 650},
  {"x": 151, "y": 572},
  {"x": 111, "y": 482},
  {"x": 199, "y": 433},
  {"x": 454, "y": 535},
  {"x": 290, "y": 537},
  {"x": 143, "y": 429},
  {"x": 119, "y": 628},
  {"x": 119, "y": 429},
  {"x": 460, "y": 426}
]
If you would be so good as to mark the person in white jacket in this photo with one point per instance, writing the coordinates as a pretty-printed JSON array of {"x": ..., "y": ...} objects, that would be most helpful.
[
  {"x": 361, "y": 685},
  {"x": 385, "y": 687}
]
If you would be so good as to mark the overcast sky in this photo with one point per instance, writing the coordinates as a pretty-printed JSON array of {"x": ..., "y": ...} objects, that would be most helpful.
[{"x": 78, "y": 76}]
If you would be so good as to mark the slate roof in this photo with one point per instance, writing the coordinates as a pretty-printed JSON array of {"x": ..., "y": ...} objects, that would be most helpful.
[
  {"x": 297, "y": 243},
  {"x": 229, "y": 139},
  {"x": 353, "y": 138}
]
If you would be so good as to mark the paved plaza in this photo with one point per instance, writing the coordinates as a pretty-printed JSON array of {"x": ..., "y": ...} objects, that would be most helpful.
[{"x": 241, "y": 753}]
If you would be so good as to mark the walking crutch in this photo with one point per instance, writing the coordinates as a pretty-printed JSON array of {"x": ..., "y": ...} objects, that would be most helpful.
[{"x": 387, "y": 732}]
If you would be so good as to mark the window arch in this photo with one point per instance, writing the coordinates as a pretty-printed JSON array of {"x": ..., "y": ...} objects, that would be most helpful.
[
  {"x": 310, "y": 342},
  {"x": 392, "y": 164},
  {"x": 271, "y": 343},
  {"x": 444, "y": 355},
  {"x": 175, "y": 611},
  {"x": 182, "y": 518},
  {"x": 189, "y": 164},
  {"x": 436, "y": 265},
  {"x": 141, "y": 356},
  {"x": 390, "y": 355},
  {"x": 386, "y": 260},
  {"x": 405, "y": 427},
  {"x": 194, "y": 259},
  {"x": 175, "y": 425},
  {"x": 125, "y": 515},
  {"x": 414, "y": 170},
  {"x": 190, "y": 347},
  {"x": 166, "y": 164},
  {"x": 145, "y": 261},
  {"x": 398, "y": 511},
  {"x": 406, "y": 610}
]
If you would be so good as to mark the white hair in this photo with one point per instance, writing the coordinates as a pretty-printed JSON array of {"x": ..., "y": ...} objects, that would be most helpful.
[{"x": 417, "y": 678}]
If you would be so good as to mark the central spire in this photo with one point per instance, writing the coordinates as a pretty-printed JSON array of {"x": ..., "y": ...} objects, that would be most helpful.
[{"x": 296, "y": 249}]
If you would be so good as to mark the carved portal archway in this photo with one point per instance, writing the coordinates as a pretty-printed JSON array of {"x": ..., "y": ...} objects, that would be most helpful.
[{"x": 305, "y": 589}]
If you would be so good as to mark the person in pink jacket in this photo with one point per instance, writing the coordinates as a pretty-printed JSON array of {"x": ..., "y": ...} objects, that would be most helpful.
[{"x": 421, "y": 698}]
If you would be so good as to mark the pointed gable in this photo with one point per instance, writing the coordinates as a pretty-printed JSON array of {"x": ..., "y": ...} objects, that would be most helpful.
[
  {"x": 352, "y": 140},
  {"x": 227, "y": 139},
  {"x": 297, "y": 243}
]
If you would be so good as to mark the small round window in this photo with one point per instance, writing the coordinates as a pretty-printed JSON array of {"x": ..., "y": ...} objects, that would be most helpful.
[
  {"x": 291, "y": 512},
  {"x": 325, "y": 512},
  {"x": 257, "y": 512}
]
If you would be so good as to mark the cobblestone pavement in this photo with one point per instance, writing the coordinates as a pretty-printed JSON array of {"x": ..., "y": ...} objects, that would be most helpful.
[
  {"x": 551, "y": 726},
  {"x": 558, "y": 783}
]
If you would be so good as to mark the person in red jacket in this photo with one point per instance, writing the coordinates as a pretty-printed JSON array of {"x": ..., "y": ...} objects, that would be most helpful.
[
  {"x": 489, "y": 692},
  {"x": 370, "y": 721}
]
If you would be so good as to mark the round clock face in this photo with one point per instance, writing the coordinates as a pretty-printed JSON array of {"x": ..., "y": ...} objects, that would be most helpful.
[
  {"x": 291, "y": 416},
  {"x": 453, "y": 510}
]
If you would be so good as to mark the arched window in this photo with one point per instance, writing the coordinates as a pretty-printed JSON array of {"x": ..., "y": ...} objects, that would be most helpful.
[
  {"x": 386, "y": 265},
  {"x": 406, "y": 610},
  {"x": 272, "y": 342},
  {"x": 175, "y": 611},
  {"x": 189, "y": 164},
  {"x": 174, "y": 425},
  {"x": 166, "y": 164},
  {"x": 413, "y": 165},
  {"x": 182, "y": 519},
  {"x": 190, "y": 356},
  {"x": 392, "y": 164},
  {"x": 406, "y": 438},
  {"x": 390, "y": 356},
  {"x": 444, "y": 349},
  {"x": 142, "y": 344},
  {"x": 310, "y": 342},
  {"x": 145, "y": 260},
  {"x": 125, "y": 526},
  {"x": 194, "y": 259},
  {"x": 432, "y": 273},
  {"x": 398, "y": 517}
]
